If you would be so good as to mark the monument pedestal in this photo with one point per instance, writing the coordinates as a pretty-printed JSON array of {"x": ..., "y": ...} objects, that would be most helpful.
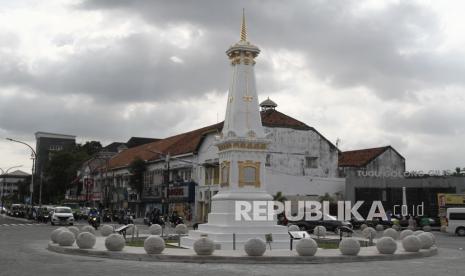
[{"x": 223, "y": 228}]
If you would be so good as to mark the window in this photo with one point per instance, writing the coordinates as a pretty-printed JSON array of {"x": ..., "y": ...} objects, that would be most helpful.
[
  {"x": 268, "y": 160},
  {"x": 457, "y": 216},
  {"x": 249, "y": 173},
  {"x": 311, "y": 162},
  {"x": 55, "y": 147},
  {"x": 225, "y": 173}
]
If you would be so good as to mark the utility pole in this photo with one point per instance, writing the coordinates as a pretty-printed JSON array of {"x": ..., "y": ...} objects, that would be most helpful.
[{"x": 34, "y": 157}]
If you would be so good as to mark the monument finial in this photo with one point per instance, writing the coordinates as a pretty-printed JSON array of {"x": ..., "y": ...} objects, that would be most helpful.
[{"x": 243, "y": 27}]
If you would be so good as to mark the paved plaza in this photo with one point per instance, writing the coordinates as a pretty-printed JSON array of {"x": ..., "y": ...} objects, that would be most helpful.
[{"x": 23, "y": 252}]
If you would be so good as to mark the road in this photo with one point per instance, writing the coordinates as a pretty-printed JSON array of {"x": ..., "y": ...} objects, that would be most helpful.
[{"x": 22, "y": 252}]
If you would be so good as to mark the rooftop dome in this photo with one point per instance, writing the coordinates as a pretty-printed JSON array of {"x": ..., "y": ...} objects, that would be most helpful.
[{"x": 268, "y": 104}]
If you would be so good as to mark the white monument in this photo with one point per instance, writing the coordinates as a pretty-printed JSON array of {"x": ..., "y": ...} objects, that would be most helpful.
[{"x": 242, "y": 152}]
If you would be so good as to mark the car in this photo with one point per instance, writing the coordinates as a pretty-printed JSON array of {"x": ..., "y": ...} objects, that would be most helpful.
[
  {"x": 331, "y": 223},
  {"x": 456, "y": 221},
  {"x": 3, "y": 210},
  {"x": 75, "y": 208},
  {"x": 62, "y": 215},
  {"x": 17, "y": 210}
]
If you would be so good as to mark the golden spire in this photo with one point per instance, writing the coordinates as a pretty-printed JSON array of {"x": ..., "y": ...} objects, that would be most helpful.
[{"x": 243, "y": 27}]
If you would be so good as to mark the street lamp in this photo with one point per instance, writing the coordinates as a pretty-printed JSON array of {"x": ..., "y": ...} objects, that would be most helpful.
[
  {"x": 4, "y": 174},
  {"x": 34, "y": 157}
]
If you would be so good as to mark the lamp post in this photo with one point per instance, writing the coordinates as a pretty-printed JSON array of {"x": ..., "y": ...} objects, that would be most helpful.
[
  {"x": 4, "y": 174},
  {"x": 34, "y": 157}
]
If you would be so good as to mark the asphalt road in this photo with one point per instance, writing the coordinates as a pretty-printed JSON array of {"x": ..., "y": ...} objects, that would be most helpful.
[{"x": 23, "y": 252}]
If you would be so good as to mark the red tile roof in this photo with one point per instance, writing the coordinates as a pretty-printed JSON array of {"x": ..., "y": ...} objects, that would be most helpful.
[
  {"x": 189, "y": 142},
  {"x": 274, "y": 118},
  {"x": 360, "y": 158}
]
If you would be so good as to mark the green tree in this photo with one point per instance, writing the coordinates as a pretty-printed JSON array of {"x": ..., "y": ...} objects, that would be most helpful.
[
  {"x": 137, "y": 169},
  {"x": 279, "y": 197},
  {"x": 61, "y": 170},
  {"x": 90, "y": 147}
]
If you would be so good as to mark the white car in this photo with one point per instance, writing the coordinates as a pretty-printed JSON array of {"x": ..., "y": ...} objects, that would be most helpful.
[
  {"x": 456, "y": 221},
  {"x": 62, "y": 215}
]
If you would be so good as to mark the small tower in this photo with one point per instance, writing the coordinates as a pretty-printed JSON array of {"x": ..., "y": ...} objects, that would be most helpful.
[{"x": 268, "y": 105}]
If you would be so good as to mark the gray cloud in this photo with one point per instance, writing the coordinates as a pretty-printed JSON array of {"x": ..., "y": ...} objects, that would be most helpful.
[{"x": 392, "y": 52}]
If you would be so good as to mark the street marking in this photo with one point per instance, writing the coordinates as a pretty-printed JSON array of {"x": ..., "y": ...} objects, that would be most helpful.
[{"x": 21, "y": 224}]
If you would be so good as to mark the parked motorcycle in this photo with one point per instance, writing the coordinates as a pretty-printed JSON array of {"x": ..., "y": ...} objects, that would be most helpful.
[
  {"x": 175, "y": 220},
  {"x": 160, "y": 220},
  {"x": 107, "y": 217}
]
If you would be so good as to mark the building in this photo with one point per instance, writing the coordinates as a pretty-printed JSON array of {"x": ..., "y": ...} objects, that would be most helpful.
[
  {"x": 90, "y": 188},
  {"x": 9, "y": 185},
  {"x": 382, "y": 161},
  {"x": 47, "y": 143},
  {"x": 420, "y": 191}
]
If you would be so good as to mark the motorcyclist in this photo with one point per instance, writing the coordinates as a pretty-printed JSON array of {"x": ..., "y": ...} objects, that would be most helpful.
[{"x": 93, "y": 213}]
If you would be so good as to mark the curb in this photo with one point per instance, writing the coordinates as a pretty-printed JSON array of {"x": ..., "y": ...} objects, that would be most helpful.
[{"x": 239, "y": 259}]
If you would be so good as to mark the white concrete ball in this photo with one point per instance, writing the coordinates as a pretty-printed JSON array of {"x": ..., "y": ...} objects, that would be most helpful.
[
  {"x": 155, "y": 229},
  {"x": 65, "y": 238},
  {"x": 88, "y": 228},
  {"x": 115, "y": 242},
  {"x": 319, "y": 230},
  {"x": 255, "y": 247},
  {"x": 418, "y": 232},
  {"x": 427, "y": 228},
  {"x": 396, "y": 227},
  {"x": 106, "y": 230},
  {"x": 86, "y": 240},
  {"x": 379, "y": 228},
  {"x": 180, "y": 229},
  {"x": 154, "y": 245},
  {"x": 426, "y": 240},
  {"x": 369, "y": 232},
  {"x": 386, "y": 245},
  {"x": 432, "y": 237},
  {"x": 405, "y": 233},
  {"x": 54, "y": 235},
  {"x": 391, "y": 233},
  {"x": 411, "y": 243},
  {"x": 74, "y": 230},
  {"x": 204, "y": 246},
  {"x": 306, "y": 247},
  {"x": 363, "y": 226},
  {"x": 349, "y": 246}
]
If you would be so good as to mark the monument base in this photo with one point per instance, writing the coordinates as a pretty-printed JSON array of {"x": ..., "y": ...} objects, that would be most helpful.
[{"x": 225, "y": 230}]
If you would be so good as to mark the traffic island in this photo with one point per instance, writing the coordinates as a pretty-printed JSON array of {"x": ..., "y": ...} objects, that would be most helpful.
[{"x": 278, "y": 256}]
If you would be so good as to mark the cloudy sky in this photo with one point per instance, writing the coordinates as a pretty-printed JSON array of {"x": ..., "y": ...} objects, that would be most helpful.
[{"x": 369, "y": 73}]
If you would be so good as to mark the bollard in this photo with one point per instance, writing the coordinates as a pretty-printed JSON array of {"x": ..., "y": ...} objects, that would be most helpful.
[
  {"x": 291, "y": 241},
  {"x": 234, "y": 241}
]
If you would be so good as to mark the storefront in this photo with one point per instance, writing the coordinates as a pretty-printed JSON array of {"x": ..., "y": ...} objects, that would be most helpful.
[{"x": 181, "y": 199}]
